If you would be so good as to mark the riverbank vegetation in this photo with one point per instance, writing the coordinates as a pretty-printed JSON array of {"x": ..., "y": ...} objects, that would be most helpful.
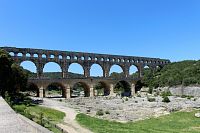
[
  {"x": 183, "y": 73},
  {"x": 29, "y": 108}
]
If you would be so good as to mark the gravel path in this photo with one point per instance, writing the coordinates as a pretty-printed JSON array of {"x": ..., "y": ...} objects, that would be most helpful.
[{"x": 70, "y": 125}]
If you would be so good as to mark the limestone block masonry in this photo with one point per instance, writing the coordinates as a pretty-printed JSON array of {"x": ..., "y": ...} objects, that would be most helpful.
[{"x": 64, "y": 59}]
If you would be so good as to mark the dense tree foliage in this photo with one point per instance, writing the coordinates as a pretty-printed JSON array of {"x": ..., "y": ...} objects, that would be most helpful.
[
  {"x": 178, "y": 73},
  {"x": 12, "y": 76}
]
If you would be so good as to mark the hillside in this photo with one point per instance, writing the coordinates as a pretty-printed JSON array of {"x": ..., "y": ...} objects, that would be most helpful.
[
  {"x": 178, "y": 73},
  {"x": 54, "y": 75}
]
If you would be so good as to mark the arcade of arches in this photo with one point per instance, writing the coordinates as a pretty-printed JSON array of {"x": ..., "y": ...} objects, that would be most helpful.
[
  {"x": 82, "y": 89},
  {"x": 131, "y": 69}
]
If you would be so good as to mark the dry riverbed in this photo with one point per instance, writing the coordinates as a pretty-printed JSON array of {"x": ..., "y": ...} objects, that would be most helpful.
[{"x": 130, "y": 109}]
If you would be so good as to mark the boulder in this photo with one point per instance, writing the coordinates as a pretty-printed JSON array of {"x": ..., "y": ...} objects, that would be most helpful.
[{"x": 197, "y": 115}]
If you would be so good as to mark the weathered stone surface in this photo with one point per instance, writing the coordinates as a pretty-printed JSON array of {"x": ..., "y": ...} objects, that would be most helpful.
[
  {"x": 130, "y": 110},
  {"x": 180, "y": 90}
]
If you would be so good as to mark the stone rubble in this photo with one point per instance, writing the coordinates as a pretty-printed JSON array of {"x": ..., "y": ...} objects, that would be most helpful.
[{"x": 130, "y": 109}]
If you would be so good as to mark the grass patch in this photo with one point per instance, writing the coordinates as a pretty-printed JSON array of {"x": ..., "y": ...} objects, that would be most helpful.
[
  {"x": 178, "y": 122},
  {"x": 44, "y": 116},
  {"x": 53, "y": 115}
]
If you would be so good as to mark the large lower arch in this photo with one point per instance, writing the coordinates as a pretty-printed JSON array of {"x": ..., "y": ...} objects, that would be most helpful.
[
  {"x": 96, "y": 70},
  {"x": 101, "y": 89},
  {"x": 30, "y": 67},
  {"x": 123, "y": 88},
  {"x": 32, "y": 89},
  {"x": 55, "y": 90},
  {"x": 116, "y": 71},
  {"x": 75, "y": 70},
  {"x": 52, "y": 70},
  {"x": 80, "y": 89}
]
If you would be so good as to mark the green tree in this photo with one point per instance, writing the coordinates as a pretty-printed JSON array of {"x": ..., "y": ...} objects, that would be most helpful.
[
  {"x": 12, "y": 76},
  {"x": 5, "y": 71}
]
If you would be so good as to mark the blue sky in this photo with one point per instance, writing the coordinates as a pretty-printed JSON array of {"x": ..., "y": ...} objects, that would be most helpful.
[{"x": 153, "y": 28}]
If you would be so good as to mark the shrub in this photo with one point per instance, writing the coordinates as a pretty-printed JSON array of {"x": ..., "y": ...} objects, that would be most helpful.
[
  {"x": 151, "y": 99},
  {"x": 166, "y": 99},
  {"x": 189, "y": 81},
  {"x": 150, "y": 90},
  {"x": 126, "y": 99},
  {"x": 138, "y": 95},
  {"x": 188, "y": 97},
  {"x": 107, "y": 112},
  {"x": 100, "y": 112},
  {"x": 166, "y": 94}
]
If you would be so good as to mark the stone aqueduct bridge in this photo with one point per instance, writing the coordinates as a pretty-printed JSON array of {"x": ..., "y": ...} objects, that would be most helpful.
[{"x": 64, "y": 59}]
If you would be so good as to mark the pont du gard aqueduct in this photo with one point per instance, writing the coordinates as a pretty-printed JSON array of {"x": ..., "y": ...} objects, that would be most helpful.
[{"x": 64, "y": 59}]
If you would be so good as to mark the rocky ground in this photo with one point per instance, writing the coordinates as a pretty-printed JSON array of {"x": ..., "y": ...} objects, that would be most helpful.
[{"x": 130, "y": 109}]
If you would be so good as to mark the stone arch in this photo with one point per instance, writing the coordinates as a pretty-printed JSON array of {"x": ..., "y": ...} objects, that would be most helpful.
[
  {"x": 80, "y": 89},
  {"x": 134, "y": 71},
  {"x": 28, "y": 55},
  {"x": 55, "y": 90},
  {"x": 53, "y": 69},
  {"x": 29, "y": 65},
  {"x": 76, "y": 68},
  {"x": 33, "y": 89},
  {"x": 68, "y": 57},
  {"x": 20, "y": 54},
  {"x": 11, "y": 54},
  {"x": 35, "y": 55},
  {"x": 123, "y": 88},
  {"x": 89, "y": 58},
  {"x": 116, "y": 70},
  {"x": 101, "y": 89},
  {"x": 96, "y": 70},
  {"x": 44, "y": 56},
  {"x": 60, "y": 57},
  {"x": 52, "y": 56}
]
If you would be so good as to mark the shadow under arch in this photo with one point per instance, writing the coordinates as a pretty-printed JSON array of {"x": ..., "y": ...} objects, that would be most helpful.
[
  {"x": 101, "y": 89},
  {"x": 55, "y": 90},
  {"x": 32, "y": 89},
  {"x": 80, "y": 89},
  {"x": 122, "y": 88}
]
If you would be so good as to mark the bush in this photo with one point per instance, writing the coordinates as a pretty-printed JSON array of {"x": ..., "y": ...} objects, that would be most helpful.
[
  {"x": 189, "y": 81},
  {"x": 107, "y": 112},
  {"x": 150, "y": 90},
  {"x": 138, "y": 95},
  {"x": 151, "y": 99},
  {"x": 126, "y": 99},
  {"x": 166, "y": 94},
  {"x": 166, "y": 100},
  {"x": 100, "y": 112},
  {"x": 188, "y": 97}
]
